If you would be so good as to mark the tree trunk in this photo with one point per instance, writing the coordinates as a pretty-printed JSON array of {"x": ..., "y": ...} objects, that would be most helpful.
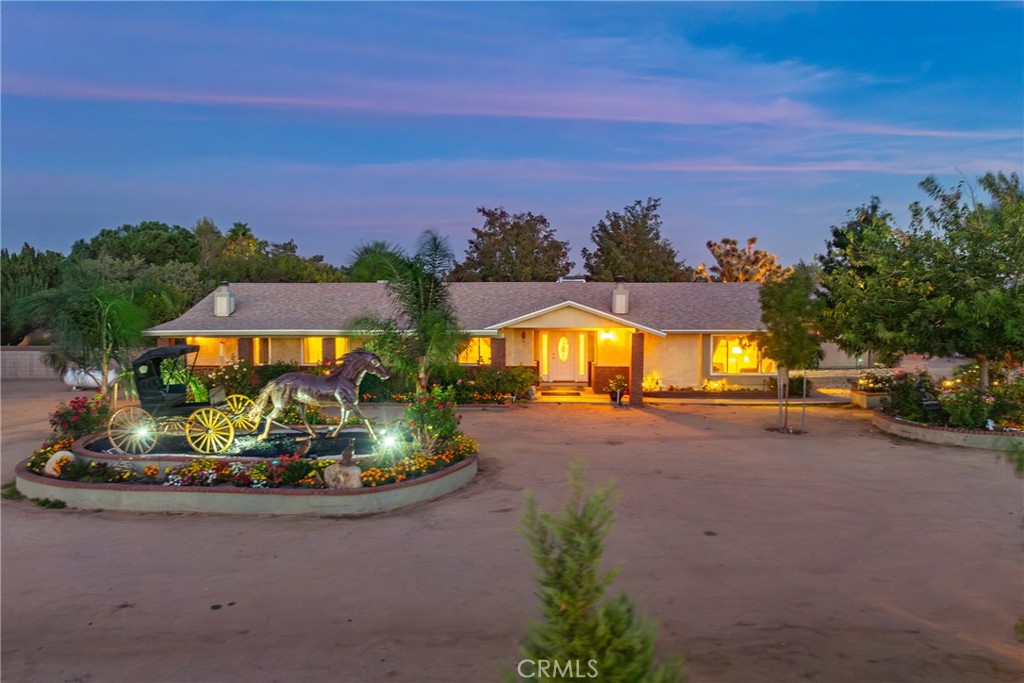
[
  {"x": 780, "y": 391},
  {"x": 803, "y": 409},
  {"x": 982, "y": 371}
]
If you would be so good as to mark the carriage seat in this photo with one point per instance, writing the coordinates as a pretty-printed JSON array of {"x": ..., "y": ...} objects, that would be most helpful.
[{"x": 173, "y": 395}]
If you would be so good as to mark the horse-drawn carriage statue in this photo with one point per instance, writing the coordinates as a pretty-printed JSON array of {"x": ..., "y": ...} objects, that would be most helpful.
[
  {"x": 211, "y": 426},
  {"x": 208, "y": 426}
]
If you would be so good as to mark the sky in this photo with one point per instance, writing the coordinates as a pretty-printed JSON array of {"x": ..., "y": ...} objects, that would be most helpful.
[{"x": 334, "y": 124}]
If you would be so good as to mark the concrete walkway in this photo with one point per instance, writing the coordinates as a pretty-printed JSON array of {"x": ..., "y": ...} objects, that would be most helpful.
[{"x": 840, "y": 556}]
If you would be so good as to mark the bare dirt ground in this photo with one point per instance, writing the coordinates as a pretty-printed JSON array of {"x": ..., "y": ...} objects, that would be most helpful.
[{"x": 841, "y": 555}]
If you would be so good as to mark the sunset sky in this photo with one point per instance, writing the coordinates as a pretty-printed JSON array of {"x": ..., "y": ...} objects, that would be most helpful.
[{"x": 337, "y": 123}]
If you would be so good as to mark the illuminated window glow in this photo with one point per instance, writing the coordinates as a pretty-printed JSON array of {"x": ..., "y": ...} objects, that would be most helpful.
[
  {"x": 477, "y": 352},
  {"x": 312, "y": 350},
  {"x": 582, "y": 354},
  {"x": 734, "y": 355},
  {"x": 544, "y": 354}
]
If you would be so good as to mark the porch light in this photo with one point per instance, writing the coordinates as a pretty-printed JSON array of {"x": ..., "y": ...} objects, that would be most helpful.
[
  {"x": 607, "y": 334},
  {"x": 737, "y": 350}
]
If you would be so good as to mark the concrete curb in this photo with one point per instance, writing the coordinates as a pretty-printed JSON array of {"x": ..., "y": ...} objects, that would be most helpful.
[
  {"x": 247, "y": 501},
  {"x": 947, "y": 436}
]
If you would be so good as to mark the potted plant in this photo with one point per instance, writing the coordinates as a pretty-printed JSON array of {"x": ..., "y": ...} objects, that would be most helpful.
[{"x": 617, "y": 386}]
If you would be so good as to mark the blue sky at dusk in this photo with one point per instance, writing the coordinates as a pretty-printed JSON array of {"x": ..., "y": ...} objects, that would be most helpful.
[{"x": 337, "y": 123}]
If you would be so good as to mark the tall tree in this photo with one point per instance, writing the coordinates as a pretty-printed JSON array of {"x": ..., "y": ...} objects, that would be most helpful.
[
  {"x": 211, "y": 240},
  {"x": 21, "y": 274},
  {"x": 734, "y": 264},
  {"x": 152, "y": 241},
  {"x": 629, "y": 244},
  {"x": 423, "y": 334},
  {"x": 514, "y": 248},
  {"x": 952, "y": 283},
  {"x": 789, "y": 314}
]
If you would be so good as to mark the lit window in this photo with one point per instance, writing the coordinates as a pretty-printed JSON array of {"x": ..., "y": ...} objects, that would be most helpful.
[
  {"x": 734, "y": 355},
  {"x": 477, "y": 352},
  {"x": 341, "y": 346},
  {"x": 312, "y": 350}
]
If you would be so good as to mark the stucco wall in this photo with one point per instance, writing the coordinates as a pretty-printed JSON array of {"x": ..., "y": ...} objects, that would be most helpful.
[
  {"x": 676, "y": 359},
  {"x": 613, "y": 348},
  {"x": 519, "y": 351},
  {"x": 567, "y": 318}
]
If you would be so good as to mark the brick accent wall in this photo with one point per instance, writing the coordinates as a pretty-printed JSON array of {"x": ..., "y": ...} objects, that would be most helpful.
[
  {"x": 600, "y": 375},
  {"x": 327, "y": 348},
  {"x": 245, "y": 348},
  {"x": 636, "y": 371},
  {"x": 498, "y": 352}
]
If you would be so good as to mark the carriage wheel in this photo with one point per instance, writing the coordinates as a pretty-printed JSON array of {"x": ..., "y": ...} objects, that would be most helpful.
[
  {"x": 132, "y": 431},
  {"x": 239, "y": 409},
  {"x": 208, "y": 430}
]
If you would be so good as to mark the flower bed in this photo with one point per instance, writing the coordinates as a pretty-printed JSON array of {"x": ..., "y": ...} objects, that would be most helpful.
[{"x": 432, "y": 443}]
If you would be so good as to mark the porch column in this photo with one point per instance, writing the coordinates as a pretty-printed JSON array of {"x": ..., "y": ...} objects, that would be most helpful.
[
  {"x": 498, "y": 352},
  {"x": 327, "y": 349},
  {"x": 636, "y": 371},
  {"x": 245, "y": 348}
]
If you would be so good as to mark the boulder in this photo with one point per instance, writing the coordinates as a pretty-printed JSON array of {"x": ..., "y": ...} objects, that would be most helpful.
[
  {"x": 50, "y": 468},
  {"x": 342, "y": 477}
]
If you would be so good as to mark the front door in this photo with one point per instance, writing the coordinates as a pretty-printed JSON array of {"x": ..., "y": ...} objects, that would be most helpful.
[{"x": 562, "y": 357}]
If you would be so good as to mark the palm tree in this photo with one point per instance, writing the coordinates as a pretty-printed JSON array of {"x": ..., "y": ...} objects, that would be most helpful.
[
  {"x": 374, "y": 261},
  {"x": 424, "y": 333},
  {"x": 95, "y": 322}
]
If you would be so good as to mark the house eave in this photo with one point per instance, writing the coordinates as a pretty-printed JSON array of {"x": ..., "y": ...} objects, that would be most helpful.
[{"x": 572, "y": 304}]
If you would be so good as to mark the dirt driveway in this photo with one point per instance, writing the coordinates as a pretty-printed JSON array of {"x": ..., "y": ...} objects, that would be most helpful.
[{"x": 842, "y": 555}]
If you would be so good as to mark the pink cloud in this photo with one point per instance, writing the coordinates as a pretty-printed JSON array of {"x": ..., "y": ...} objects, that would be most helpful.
[{"x": 606, "y": 98}]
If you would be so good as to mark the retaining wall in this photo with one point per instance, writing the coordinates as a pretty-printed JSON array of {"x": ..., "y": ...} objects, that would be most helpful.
[
  {"x": 24, "y": 362},
  {"x": 947, "y": 436},
  {"x": 232, "y": 500}
]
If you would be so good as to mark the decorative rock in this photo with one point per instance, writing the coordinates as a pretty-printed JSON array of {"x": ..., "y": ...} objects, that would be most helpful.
[
  {"x": 50, "y": 468},
  {"x": 340, "y": 477}
]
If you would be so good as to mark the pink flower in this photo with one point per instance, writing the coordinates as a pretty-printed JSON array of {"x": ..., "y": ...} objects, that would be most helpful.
[{"x": 74, "y": 418}]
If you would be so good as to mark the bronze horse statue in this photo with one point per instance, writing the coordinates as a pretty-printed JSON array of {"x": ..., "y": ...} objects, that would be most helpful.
[{"x": 340, "y": 388}]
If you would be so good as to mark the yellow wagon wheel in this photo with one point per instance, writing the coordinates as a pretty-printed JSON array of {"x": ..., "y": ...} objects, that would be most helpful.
[
  {"x": 239, "y": 409},
  {"x": 132, "y": 431},
  {"x": 208, "y": 430}
]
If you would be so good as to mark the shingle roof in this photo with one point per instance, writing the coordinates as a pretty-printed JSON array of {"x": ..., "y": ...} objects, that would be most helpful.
[{"x": 323, "y": 309}]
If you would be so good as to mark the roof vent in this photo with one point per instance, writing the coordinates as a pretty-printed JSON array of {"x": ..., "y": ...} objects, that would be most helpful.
[
  {"x": 620, "y": 298},
  {"x": 223, "y": 301},
  {"x": 573, "y": 278}
]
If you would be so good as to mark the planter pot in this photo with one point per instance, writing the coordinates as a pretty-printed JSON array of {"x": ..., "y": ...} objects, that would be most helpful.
[
  {"x": 617, "y": 397},
  {"x": 867, "y": 399}
]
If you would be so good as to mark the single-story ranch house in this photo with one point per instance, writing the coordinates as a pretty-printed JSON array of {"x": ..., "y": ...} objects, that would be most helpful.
[{"x": 570, "y": 331}]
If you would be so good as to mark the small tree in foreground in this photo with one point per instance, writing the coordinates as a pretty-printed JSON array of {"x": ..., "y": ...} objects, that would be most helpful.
[
  {"x": 581, "y": 632},
  {"x": 788, "y": 313}
]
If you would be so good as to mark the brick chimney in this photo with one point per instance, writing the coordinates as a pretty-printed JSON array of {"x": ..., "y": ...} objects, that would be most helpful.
[{"x": 223, "y": 301}]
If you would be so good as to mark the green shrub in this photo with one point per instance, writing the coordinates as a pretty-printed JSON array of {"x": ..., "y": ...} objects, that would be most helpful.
[
  {"x": 1009, "y": 405},
  {"x": 432, "y": 418},
  {"x": 907, "y": 394},
  {"x": 236, "y": 378},
  {"x": 968, "y": 409},
  {"x": 265, "y": 373}
]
